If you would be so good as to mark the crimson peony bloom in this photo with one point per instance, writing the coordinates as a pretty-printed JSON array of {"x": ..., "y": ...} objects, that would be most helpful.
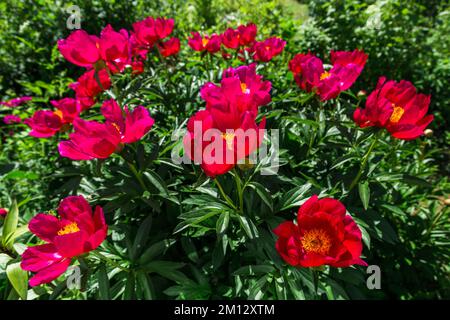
[
  {"x": 3, "y": 212},
  {"x": 137, "y": 67},
  {"x": 76, "y": 231},
  {"x": 87, "y": 87},
  {"x": 10, "y": 119},
  {"x": 70, "y": 108},
  {"x": 150, "y": 30},
  {"x": 207, "y": 43},
  {"x": 247, "y": 34},
  {"x": 397, "y": 107},
  {"x": 114, "y": 48},
  {"x": 323, "y": 235},
  {"x": 231, "y": 110},
  {"x": 310, "y": 75},
  {"x": 45, "y": 123},
  {"x": 16, "y": 101},
  {"x": 169, "y": 47},
  {"x": 265, "y": 50},
  {"x": 95, "y": 140},
  {"x": 80, "y": 48},
  {"x": 230, "y": 38}
]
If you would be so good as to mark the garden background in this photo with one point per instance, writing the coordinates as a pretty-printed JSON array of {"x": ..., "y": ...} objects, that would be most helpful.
[{"x": 405, "y": 219}]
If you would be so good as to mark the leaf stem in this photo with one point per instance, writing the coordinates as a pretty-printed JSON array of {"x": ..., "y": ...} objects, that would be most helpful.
[{"x": 137, "y": 175}]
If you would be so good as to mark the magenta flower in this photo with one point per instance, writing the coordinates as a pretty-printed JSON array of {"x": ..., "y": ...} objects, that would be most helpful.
[
  {"x": 16, "y": 101},
  {"x": 115, "y": 48},
  {"x": 95, "y": 140},
  {"x": 80, "y": 48},
  {"x": 10, "y": 119},
  {"x": 44, "y": 123}
]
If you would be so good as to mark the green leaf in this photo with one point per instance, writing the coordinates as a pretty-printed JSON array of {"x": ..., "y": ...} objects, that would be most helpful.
[
  {"x": 252, "y": 270},
  {"x": 103, "y": 283},
  {"x": 155, "y": 250},
  {"x": 364, "y": 193},
  {"x": 141, "y": 237},
  {"x": 263, "y": 194},
  {"x": 18, "y": 279},
  {"x": 222, "y": 223},
  {"x": 146, "y": 284},
  {"x": 248, "y": 226},
  {"x": 10, "y": 226}
]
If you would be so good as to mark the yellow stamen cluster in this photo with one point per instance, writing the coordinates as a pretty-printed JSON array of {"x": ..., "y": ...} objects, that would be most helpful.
[
  {"x": 316, "y": 241},
  {"x": 325, "y": 75},
  {"x": 68, "y": 229},
  {"x": 396, "y": 114},
  {"x": 229, "y": 138}
]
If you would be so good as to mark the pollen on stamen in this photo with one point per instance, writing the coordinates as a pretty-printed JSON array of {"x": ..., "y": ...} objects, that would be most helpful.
[{"x": 68, "y": 229}]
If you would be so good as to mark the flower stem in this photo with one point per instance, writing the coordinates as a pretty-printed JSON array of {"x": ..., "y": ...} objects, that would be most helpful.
[
  {"x": 239, "y": 191},
  {"x": 227, "y": 199},
  {"x": 137, "y": 175},
  {"x": 363, "y": 164}
]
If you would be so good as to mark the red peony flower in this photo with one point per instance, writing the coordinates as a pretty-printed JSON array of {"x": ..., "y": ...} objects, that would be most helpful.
[
  {"x": 230, "y": 38},
  {"x": 3, "y": 212},
  {"x": 265, "y": 50},
  {"x": 310, "y": 75},
  {"x": 45, "y": 123},
  {"x": 93, "y": 139},
  {"x": 80, "y": 48},
  {"x": 397, "y": 107},
  {"x": 87, "y": 87},
  {"x": 114, "y": 48},
  {"x": 209, "y": 43},
  {"x": 70, "y": 108},
  {"x": 231, "y": 111},
  {"x": 76, "y": 231},
  {"x": 247, "y": 34},
  {"x": 169, "y": 47},
  {"x": 10, "y": 119},
  {"x": 150, "y": 30},
  {"x": 323, "y": 235},
  {"x": 16, "y": 101}
]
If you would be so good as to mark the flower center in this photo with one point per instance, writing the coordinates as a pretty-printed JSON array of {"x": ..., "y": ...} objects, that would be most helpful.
[
  {"x": 205, "y": 42},
  {"x": 229, "y": 138},
  {"x": 58, "y": 113},
  {"x": 68, "y": 229},
  {"x": 316, "y": 241},
  {"x": 325, "y": 75},
  {"x": 396, "y": 114},
  {"x": 244, "y": 88}
]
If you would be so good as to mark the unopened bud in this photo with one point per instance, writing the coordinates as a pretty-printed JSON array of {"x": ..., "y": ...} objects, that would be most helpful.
[
  {"x": 428, "y": 132},
  {"x": 447, "y": 202},
  {"x": 362, "y": 93}
]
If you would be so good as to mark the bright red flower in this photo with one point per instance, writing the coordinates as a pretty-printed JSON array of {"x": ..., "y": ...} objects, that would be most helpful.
[
  {"x": 209, "y": 43},
  {"x": 323, "y": 235},
  {"x": 10, "y": 119},
  {"x": 310, "y": 75},
  {"x": 169, "y": 47},
  {"x": 397, "y": 107},
  {"x": 76, "y": 231},
  {"x": 265, "y": 50},
  {"x": 114, "y": 48},
  {"x": 70, "y": 108},
  {"x": 44, "y": 123},
  {"x": 231, "y": 110},
  {"x": 80, "y": 48},
  {"x": 16, "y": 101},
  {"x": 151, "y": 30},
  {"x": 231, "y": 38},
  {"x": 87, "y": 87},
  {"x": 3, "y": 212},
  {"x": 247, "y": 34},
  {"x": 93, "y": 139}
]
